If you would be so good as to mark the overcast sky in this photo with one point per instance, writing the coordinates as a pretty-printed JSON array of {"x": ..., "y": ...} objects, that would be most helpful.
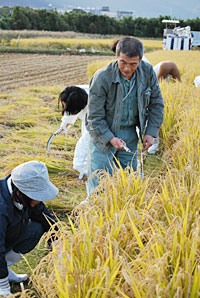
[
  {"x": 146, "y": 8},
  {"x": 185, "y": 9}
]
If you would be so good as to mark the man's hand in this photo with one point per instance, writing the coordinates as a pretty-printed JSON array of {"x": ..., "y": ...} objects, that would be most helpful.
[
  {"x": 147, "y": 142},
  {"x": 117, "y": 143}
]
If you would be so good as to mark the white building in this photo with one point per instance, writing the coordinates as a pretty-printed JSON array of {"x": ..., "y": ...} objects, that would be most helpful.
[
  {"x": 117, "y": 14},
  {"x": 105, "y": 10}
]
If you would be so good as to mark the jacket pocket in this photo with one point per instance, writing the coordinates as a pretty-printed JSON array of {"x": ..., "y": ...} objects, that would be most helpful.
[{"x": 146, "y": 96}]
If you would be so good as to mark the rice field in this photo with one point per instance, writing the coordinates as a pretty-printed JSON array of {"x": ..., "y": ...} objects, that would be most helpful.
[
  {"x": 88, "y": 44},
  {"x": 63, "y": 43},
  {"x": 136, "y": 238},
  {"x": 187, "y": 62}
]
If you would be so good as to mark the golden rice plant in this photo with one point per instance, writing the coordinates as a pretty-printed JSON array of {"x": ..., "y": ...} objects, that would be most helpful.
[
  {"x": 94, "y": 66},
  {"x": 131, "y": 241},
  {"x": 153, "y": 44},
  {"x": 75, "y": 43},
  {"x": 72, "y": 43}
]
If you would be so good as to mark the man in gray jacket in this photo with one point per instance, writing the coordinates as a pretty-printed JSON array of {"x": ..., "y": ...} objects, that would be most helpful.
[{"x": 122, "y": 96}]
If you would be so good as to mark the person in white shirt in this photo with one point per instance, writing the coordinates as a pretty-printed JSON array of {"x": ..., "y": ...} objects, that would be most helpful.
[
  {"x": 74, "y": 103},
  {"x": 166, "y": 69},
  {"x": 197, "y": 81}
]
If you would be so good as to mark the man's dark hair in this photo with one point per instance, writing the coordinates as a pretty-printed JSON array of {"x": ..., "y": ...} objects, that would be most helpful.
[
  {"x": 75, "y": 99},
  {"x": 130, "y": 46}
]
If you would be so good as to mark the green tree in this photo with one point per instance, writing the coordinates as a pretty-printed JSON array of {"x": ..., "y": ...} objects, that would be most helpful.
[
  {"x": 194, "y": 24},
  {"x": 19, "y": 19},
  {"x": 127, "y": 26},
  {"x": 5, "y": 17}
]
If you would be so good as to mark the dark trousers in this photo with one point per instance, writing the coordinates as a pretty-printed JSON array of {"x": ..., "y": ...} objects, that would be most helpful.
[{"x": 29, "y": 238}]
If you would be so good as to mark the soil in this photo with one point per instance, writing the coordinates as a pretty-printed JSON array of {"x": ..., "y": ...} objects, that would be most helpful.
[{"x": 26, "y": 70}]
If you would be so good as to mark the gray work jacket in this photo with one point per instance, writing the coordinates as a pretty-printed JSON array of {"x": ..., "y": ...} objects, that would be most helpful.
[{"x": 105, "y": 104}]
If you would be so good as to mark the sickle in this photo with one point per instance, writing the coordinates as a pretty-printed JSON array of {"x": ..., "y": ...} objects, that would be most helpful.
[
  {"x": 134, "y": 153},
  {"x": 54, "y": 134},
  {"x": 51, "y": 138}
]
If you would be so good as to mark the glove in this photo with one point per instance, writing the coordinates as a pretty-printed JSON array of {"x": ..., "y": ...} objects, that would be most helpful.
[
  {"x": 67, "y": 119},
  {"x": 154, "y": 148},
  {"x": 4, "y": 287}
]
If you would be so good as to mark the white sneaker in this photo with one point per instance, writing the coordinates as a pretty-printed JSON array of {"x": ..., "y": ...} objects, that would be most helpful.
[{"x": 17, "y": 278}]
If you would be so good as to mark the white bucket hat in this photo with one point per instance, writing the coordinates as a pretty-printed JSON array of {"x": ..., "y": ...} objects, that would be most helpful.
[{"x": 32, "y": 179}]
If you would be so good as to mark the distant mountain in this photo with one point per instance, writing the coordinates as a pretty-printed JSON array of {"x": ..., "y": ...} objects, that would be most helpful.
[
  {"x": 28, "y": 3},
  {"x": 145, "y": 8}
]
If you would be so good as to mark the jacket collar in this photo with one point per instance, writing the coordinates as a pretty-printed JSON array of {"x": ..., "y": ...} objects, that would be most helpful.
[
  {"x": 9, "y": 185},
  {"x": 140, "y": 73},
  {"x": 4, "y": 187},
  {"x": 115, "y": 72}
]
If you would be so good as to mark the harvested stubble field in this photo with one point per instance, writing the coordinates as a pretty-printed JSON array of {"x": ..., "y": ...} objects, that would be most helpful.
[{"x": 23, "y": 70}]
